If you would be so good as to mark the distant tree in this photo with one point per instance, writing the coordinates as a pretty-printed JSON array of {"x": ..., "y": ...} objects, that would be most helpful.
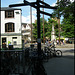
[
  {"x": 50, "y": 22},
  {"x": 47, "y": 28},
  {"x": 66, "y": 9},
  {"x": 68, "y": 21},
  {"x": 41, "y": 27},
  {"x": 67, "y": 28}
]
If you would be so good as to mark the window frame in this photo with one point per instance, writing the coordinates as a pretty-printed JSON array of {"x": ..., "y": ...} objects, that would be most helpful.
[
  {"x": 12, "y": 29},
  {"x": 9, "y": 14}
]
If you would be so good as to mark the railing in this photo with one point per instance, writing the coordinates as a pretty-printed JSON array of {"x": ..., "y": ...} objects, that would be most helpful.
[
  {"x": 26, "y": 33},
  {"x": 11, "y": 47},
  {"x": 16, "y": 62},
  {"x": 23, "y": 61},
  {"x": 12, "y": 62}
]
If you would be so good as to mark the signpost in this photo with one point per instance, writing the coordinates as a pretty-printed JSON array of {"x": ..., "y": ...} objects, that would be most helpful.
[{"x": 37, "y": 6}]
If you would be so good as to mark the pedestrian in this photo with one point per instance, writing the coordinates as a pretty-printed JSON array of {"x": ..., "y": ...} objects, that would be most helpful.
[
  {"x": 10, "y": 43},
  {"x": 50, "y": 44},
  {"x": 63, "y": 42},
  {"x": 47, "y": 42},
  {"x": 57, "y": 42}
]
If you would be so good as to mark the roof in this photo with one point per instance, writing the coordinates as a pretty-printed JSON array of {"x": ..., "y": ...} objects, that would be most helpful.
[
  {"x": 9, "y": 8},
  {"x": 24, "y": 23}
]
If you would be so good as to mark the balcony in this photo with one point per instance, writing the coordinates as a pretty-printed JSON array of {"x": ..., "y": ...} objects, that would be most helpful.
[{"x": 27, "y": 33}]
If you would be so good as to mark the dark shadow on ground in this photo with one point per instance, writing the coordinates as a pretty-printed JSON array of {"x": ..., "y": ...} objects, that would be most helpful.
[
  {"x": 68, "y": 56},
  {"x": 71, "y": 51},
  {"x": 60, "y": 65}
]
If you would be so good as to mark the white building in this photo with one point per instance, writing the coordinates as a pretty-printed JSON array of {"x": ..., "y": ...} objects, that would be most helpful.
[
  {"x": 11, "y": 26},
  {"x": 26, "y": 32}
]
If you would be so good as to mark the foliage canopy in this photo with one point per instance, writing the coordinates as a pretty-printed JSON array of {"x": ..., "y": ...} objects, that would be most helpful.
[{"x": 65, "y": 9}]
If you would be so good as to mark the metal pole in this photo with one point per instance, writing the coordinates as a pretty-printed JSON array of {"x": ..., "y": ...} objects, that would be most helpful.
[
  {"x": 38, "y": 28},
  {"x": 43, "y": 26},
  {"x": 31, "y": 21},
  {"x": 23, "y": 58}
]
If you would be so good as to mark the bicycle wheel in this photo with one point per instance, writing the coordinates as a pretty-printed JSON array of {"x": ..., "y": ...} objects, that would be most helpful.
[
  {"x": 58, "y": 53},
  {"x": 52, "y": 53}
]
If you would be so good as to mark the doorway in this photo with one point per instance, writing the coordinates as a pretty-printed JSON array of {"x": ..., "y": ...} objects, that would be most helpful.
[{"x": 3, "y": 42}]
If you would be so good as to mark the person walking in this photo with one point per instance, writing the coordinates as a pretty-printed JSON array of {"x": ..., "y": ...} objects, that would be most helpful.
[{"x": 57, "y": 42}]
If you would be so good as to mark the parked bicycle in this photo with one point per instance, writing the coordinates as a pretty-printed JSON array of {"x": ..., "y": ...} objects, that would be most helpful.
[
  {"x": 56, "y": 53},
  {"x": 11, "y": 62},
  {"x": 52, "y": 52}
]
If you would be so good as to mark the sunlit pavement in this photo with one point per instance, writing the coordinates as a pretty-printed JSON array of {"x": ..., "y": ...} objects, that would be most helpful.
[
  {"x": 57, "y": 46},
  {"x": 65, "y": 46},
  {"x": 61, "y": 65}
]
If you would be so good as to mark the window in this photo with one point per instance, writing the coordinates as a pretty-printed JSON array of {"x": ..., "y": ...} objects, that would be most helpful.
[
  {"x": 17, "y": 12},
  {"x": 9, "y": 27},
  {"x": 14, "y": 37},
  {"x": 24, "y": 26},
  {"x": 14, "y": 43},
  {"x": 9, "y": 14}
]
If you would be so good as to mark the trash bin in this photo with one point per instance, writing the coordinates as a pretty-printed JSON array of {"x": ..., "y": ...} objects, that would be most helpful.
[
  {"x": 10, "y": 47},
  {"x": 32, "y": 46}
]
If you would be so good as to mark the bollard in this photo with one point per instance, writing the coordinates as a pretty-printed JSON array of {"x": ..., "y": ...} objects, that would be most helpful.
[{"x": 32, "y": 47}]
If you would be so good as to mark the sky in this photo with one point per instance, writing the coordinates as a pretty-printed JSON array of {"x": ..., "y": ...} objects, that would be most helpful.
[{"x": 26, "y": 9}]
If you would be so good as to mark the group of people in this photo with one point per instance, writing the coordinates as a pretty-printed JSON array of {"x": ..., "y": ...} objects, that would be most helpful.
[
  {"x": 49, "y": 43},
  {"x": 61, "y": 42}
]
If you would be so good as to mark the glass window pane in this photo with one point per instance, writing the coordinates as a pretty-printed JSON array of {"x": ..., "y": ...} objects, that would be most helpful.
[{"x": 9, "y": 27}]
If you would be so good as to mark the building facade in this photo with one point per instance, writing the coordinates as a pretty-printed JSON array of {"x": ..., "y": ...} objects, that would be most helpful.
[
  {"x": 11, "y": 26},
  {"x": 26, "y": 32}
]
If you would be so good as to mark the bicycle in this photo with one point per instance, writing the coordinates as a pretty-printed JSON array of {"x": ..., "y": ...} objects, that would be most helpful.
[
  {"x": 48, "y": 52},
  {"x": 56, "y": 53},
  {"x": 51, "y": 52}
]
